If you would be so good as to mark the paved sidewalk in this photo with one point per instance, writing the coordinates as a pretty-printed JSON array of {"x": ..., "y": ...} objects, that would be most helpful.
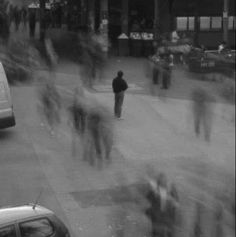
[
  {"x": 159, "y": 133},
  {"x": 156, "y": 131}
]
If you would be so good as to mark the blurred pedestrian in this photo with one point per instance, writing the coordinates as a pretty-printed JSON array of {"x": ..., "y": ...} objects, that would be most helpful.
[
  {"x": 198, "y": 223},
  {"x": 93, "y": 138},
  {"x": 78, "y": 112},
  {"x": 202, "y": 112},
  {"x": 155, "y": 74},
  {"x": 173, "y": 210},
  {"x": 17, "y": 17},
  {"x": 166, "y": 76},
  {"x": 119, "y": 86},
  {"x": 51, "y": 105},
  {"x": 99, "y": 136},
  {"x": 24, "y": 14},
  {"x": 11, "y": 14},
  {"x": 107, "y": 135},
  {"x": 159, "y": 211},
  {"x": 32, "y": 22}
]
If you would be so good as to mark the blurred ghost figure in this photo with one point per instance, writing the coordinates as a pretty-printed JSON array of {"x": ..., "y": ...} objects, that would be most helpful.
[
  {"x": 100, "y": 136},
  {"x": 17, "y": 17},
  {"x": 94, "y": 138},
  {"x": 107, "y": 135},
  {"x": 174, "y": 210},
  {"x": 78, "y": 113},
  {"x": 32, "y": 22},
  {"x": 202, "y": 112},
  {"x": 161, "y": 209},
  {"x": 51, "y": 104},
  {"x": 24, "y": 14},
  {"x": 197, "y": 228},
  {"x": 166, "y": 77},
  {"x": 219, "y": 222}
]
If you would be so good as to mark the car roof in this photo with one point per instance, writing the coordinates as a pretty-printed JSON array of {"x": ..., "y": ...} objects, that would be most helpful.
[{"x": 12, "y": 214}]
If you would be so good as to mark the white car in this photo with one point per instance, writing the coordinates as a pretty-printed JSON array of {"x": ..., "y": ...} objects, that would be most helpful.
[
  {"x": 30, "y": 221},
  {"x": 7, "y": 118}
]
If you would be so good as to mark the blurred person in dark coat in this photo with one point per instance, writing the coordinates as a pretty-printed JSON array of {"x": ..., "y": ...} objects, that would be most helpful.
[
  {"x": 24, "y": 14},
  {"x": 78, "y": 114},
  {"x": 166, "y": 75},
  {"x": 32, "y": 22},
  {"x": 17, "y": 17},
  {"x": 161, "y": 211},
  {"x": 99, "y": 136},
  {"x": 202, "y": 112},
  {"x": 119, "y": 86}
]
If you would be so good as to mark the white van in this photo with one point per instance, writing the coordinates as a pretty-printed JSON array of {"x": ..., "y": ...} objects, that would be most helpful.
[{"x": 7, "y": 118}]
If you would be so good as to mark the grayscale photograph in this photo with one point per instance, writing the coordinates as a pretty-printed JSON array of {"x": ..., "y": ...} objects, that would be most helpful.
[{"x": 117, "y": 118}]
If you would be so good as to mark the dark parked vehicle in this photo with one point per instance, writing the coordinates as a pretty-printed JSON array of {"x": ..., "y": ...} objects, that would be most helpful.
[{"x": 212, "y": 61}]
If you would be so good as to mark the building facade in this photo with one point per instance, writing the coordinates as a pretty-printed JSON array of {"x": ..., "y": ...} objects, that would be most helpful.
[{"x": 203, "y": 20}]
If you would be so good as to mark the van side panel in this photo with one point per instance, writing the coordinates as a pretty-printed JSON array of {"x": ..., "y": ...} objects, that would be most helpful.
[{"x": 7, "y": 118}]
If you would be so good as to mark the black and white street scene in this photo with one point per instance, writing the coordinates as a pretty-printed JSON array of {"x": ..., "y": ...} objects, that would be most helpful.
[{"x": 117, "y": 118}]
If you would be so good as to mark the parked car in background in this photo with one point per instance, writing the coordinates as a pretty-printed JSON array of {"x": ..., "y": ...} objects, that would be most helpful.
[{"x": 30, "y": 221}]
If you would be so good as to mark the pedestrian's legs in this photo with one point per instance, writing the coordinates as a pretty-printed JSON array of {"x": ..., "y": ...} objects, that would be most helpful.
[
  {"x": 155, "y": 76},
  {"x": 197, "y": 124},
  {"x": 164, "y": 82},
  {"x": 207, "y": 127},
  {"x": 107, "y": 138},
  {"x": 97, "y": 146},
  {"x": 120, "y": 103},
  {"x": 116, "y": 104}
]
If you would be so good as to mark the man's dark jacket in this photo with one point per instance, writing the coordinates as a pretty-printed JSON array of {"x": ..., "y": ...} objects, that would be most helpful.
[{"x": 119, "y": 84}]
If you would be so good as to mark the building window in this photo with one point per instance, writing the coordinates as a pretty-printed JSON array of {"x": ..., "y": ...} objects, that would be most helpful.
[
  {"x": 205, "y": 22},
  {"x": 185, "y": 23},
  {"x": 191, "y": 23},
  {"x": 231, "y": 22},
  {"x": 182, "y": 23},
  {"x": 216, "y": 22}
]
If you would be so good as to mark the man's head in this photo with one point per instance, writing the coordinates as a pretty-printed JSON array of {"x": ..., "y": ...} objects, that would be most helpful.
[{"x": 120, "y": 74}]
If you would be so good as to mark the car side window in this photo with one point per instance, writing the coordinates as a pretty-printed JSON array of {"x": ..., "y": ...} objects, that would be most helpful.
[
  {"x": 36, "y": 228},
  {"x": 8, "y": 231}
]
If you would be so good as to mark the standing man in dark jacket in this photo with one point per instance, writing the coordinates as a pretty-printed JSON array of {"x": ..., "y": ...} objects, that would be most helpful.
[{"x": 119, "y": 86}]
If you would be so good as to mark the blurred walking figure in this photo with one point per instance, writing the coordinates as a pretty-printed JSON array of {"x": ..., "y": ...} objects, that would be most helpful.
[
  {"x": 17, "y": 18},
  {"x": 78, "y": 112},
  {"x": 32, "y": 22},
  {"x": 166, "y": 76},
  {"x": 119, "y": 86},
  {"x": 11, "y": 14},
  {"x": 198, "y": 225},
  {"x": 24, "y": 16},
  {"x": 51, "y": 105},
  {"x": 162, "y": 209},
  {"x": 93, "y": 138},
  {"x": 99, "y": 136},
  {"x": 202, "y": 112}
]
